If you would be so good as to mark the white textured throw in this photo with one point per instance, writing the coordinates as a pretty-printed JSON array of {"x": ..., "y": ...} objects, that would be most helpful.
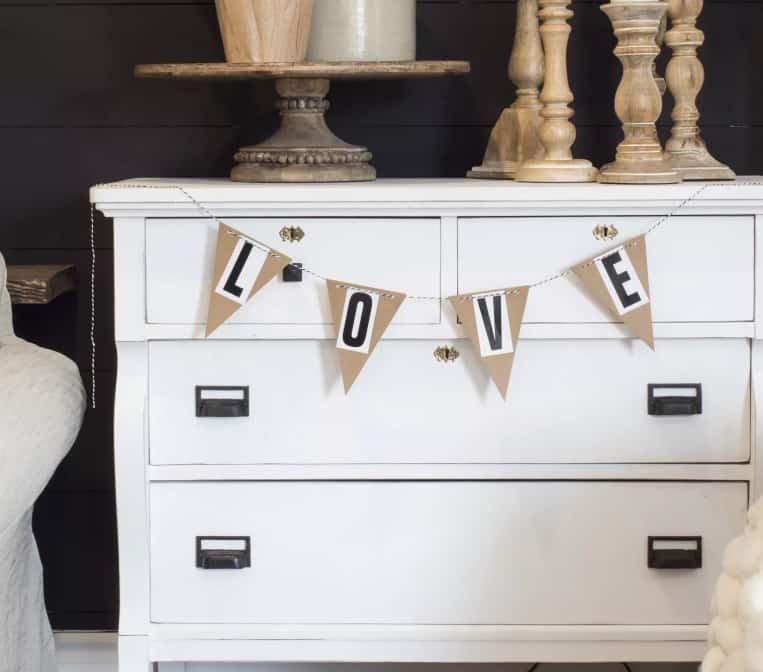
[
  {"x": 736, "y": 629},
  {"x": 6, "y": 323},
  {"x": 41, "y": 406}
]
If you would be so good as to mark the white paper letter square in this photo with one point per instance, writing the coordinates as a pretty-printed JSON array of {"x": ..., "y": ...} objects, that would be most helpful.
[
  {"x": 491, "y": 318},
  {"x": 357, "y": 324},
  {"x": 240, "y": 272},
  {"x": 621, "y": 280}
]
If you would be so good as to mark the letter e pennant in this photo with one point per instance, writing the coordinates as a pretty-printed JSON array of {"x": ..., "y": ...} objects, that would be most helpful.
[
  {"x": 492, "y": 320},
  {"x": 362, "y": 315},
  {"x": 619, "y": 281},
  {"x": 242, "y": 268}
]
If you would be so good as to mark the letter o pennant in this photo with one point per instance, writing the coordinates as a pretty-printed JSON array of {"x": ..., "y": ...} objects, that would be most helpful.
[{"x": 361, "y": 315}]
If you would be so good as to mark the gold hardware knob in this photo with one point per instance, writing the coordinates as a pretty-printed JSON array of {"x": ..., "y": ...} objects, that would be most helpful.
[
  {"x": 291, "y": 234},
  {"x": 605, "y": 231},
  {"x": 446, "y": 353}
]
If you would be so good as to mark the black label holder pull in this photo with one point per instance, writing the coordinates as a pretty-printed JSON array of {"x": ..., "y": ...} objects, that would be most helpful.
[
  {"x": 223, "y": 552},
  {"x": 674, "y": 553},
  {"x": 221, "y": 401},
  {"x": 674, "y": 398}
]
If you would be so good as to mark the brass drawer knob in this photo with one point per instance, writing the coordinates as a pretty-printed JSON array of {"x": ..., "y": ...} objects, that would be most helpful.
[
  {"x": 605, "y": 231},
  {"x": 446, "y": 353},
  {"x": 291, "y": 234}
]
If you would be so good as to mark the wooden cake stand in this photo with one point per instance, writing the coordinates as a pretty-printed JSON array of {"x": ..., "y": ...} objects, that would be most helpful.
[{"x": 303, "y": 149}]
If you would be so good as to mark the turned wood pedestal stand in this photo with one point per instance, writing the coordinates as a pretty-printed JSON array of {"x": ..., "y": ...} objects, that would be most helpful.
[
  {"x": 638, "y": 101},
  {"x": 303, "y": 149}
]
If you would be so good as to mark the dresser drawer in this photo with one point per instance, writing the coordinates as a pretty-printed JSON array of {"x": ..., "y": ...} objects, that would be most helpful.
[
  {"x": 395, "y": 254},
  {"x": 536, "y": 553},
  {"x": 701, "y": 269},
  {"x": 569, "y": 402}
]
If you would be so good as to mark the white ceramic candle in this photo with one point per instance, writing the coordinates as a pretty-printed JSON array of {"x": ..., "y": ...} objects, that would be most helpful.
[{"x": 363, "y": 30}]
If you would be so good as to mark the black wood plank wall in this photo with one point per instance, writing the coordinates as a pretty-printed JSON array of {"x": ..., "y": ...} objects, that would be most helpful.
[{"x": 72, "y": 115}]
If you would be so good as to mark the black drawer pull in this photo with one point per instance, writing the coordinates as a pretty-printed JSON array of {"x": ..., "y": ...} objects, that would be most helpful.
[
  {"x": 292, "y": 272},
  {"x": 674, "y": 399},
  {"x": 213, "y": 401},
  {"x": 223, "y": 552},
  {"x": 674, "y": 553}
]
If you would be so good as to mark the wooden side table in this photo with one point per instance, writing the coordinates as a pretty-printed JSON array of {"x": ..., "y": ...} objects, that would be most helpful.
[{"x": 40, "y": 284}]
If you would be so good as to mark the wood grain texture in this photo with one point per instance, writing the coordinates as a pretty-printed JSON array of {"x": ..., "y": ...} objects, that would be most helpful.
[
  {"x": 349, "y": 70},
  {"x": 638, "y": 101},
  {"x": 514, "y": 138},
  {"x": 686, "y": 150},
  {"x": 556, "y": 132},
  {"x": 40, "y": 284},
  {"x": 264, "y": 31}
]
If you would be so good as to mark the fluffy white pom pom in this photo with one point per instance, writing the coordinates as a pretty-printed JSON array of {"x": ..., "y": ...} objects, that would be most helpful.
[
  {"x": 751, "y": 598},
  {"x": 734, "y": 662},
  {"x": 726, "y": 633},
  {"x": 726, "y": 596},
  {"x": 713, "y": 660},
  {"x": 754, "y": 657},
  {"x": 742, "y": 556},
  {"x": 755, "y": 515}
]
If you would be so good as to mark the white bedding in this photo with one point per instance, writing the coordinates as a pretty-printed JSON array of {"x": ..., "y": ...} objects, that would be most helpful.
[{"x": 41, "y": 406}]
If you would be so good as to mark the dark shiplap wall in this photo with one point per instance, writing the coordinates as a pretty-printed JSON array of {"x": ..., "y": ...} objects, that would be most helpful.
[{"x": 72, "y": 115}]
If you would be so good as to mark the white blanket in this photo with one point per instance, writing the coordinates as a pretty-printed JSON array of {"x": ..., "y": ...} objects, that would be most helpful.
[{"x": 41, "y": 406}]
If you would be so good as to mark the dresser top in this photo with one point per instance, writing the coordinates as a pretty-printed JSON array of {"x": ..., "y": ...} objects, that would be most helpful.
[
  {"x": 143, "y": 196},
  {"x": 160, "y": 190}
]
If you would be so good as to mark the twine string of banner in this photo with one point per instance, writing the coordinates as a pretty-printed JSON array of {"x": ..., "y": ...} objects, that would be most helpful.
[
  {"x": 544, "y": 281},
  {"x": 267, "y": 250}
]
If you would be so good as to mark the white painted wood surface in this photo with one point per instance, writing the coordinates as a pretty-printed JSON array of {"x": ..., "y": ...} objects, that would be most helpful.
[
  {"x": 351, "y": 249},
  {"x": 569, "y": 402},
  {"x": 592, "y": 436},
  {"x": 579, "y": 548},
  {"x": 709, "y": 259}
]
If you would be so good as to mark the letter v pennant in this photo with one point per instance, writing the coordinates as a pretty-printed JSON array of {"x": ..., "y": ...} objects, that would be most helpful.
[{"x": 492, "y": 320}]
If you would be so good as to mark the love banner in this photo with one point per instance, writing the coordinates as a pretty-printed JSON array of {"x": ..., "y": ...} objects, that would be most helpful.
[
  {"x": 243, "y": 266},
  {"x": 617, "y": 279}
]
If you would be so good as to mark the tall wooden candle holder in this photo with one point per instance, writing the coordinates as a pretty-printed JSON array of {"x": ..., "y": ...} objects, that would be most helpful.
[
  {"x": 638, "y": 101},
  {"x": 685, "y": 75},
  {"x": 556, "y": 133},
  {"x": 514, "y": 138}
]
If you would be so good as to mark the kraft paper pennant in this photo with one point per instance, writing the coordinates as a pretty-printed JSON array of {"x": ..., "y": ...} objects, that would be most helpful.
[
  {"x": 492, "y": 320},
  {"x": 362, "y": 315},
  {"x": 619, "y": 281},
  {"x": 243, "y": 266}
]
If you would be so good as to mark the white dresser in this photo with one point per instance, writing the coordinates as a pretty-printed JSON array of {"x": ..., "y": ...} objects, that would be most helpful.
[{"x": 421, "y": 517}]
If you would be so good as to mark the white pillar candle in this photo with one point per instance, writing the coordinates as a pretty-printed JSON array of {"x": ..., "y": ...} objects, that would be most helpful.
[{"x": 363, "y": 30}]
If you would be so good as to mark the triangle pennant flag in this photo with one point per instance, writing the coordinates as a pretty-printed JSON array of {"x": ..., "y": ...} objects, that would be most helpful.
[
  {"x": 492, "y": 320},
  {"x": 619, "y": 281},
  {"x": 362, "y": 315},
  {"x": 243, "y": 266}
]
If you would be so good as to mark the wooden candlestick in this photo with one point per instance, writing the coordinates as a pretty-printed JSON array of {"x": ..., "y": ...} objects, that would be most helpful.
[
  {"x": 556, "y": 132},
  {"x": 515, "y": 135},
  {"x": 638, "y": 102},
  {"x": 661, "y": 85},
  {"x": 685, "y": 75}
]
